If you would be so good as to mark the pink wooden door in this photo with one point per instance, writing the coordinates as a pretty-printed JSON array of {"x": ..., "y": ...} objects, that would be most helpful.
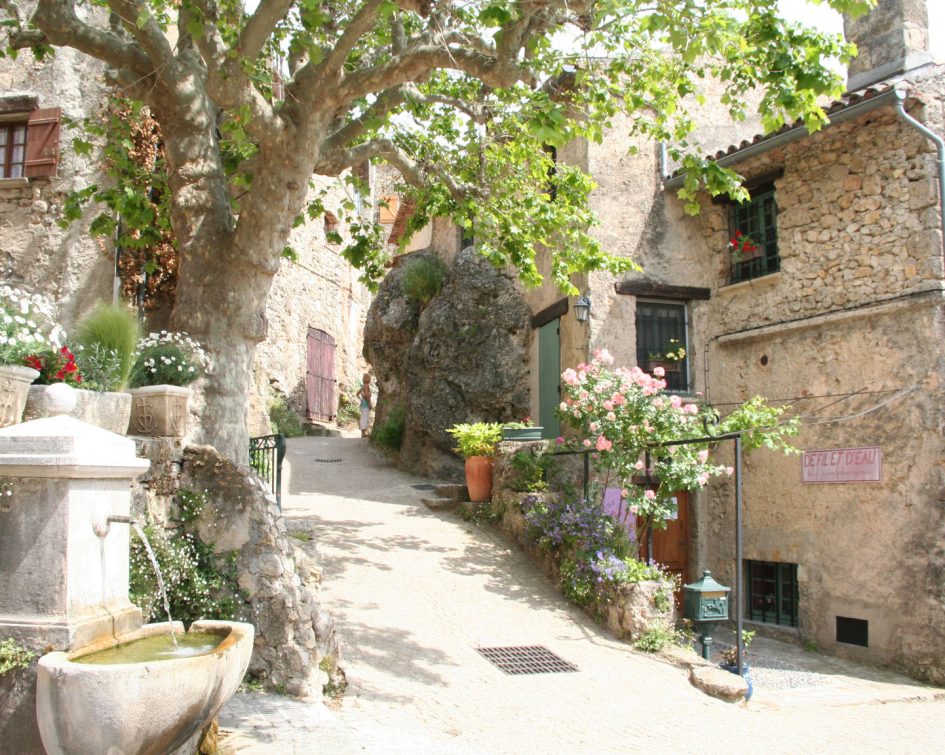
[{"x": 320, "y": 376}]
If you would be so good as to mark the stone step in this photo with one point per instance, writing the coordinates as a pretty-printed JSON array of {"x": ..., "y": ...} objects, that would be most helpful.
[
  {"x": 321, "y": 430},
  {"x": 440, "y": 504},
  {"x": 452, "y": 491}
]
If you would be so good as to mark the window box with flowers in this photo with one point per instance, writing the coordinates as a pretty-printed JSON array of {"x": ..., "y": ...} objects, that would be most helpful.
[
  {"x": 167, "y": 363},
  {"x": 669, "y": 360}
]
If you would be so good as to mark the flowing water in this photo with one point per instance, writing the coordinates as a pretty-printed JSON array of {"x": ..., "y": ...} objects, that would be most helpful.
[
  {"x": 160, "y": 580},
  {"x": 159, "y": 647}
]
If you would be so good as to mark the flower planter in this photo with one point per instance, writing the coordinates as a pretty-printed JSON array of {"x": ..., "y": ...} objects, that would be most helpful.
[
  {"x": 14, "y": 389},
  {"x": 521, "y": 434},
  {"x": 109, "y": 410},
  {"x": 479, "y": 478},
  {"x": 668, "y": 365},
  {"x": 159, "y": 411}
]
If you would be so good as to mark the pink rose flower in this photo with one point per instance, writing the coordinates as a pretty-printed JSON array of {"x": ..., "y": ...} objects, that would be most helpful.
[
  {"x": 702, "y": 456},
  {"x": 650, "y": 495},
  {"x": 603, "y": 444},
  {"x": 659, "y": 371}
]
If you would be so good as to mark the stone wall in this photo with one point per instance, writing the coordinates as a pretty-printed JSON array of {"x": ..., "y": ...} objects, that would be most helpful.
[{"x": 277, "y": 581}]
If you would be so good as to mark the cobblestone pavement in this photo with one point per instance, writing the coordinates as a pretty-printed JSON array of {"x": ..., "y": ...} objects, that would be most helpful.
[{"x": 416, "y": 592}]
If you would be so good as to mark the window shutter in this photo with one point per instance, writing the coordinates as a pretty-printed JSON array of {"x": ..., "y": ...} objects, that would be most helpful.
[{"x": 42, "y": 142}]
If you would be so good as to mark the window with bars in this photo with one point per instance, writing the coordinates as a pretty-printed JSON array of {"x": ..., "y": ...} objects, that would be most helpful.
[
  {"x": 756, "y": 219},
  {"x": 771, "y": 592},
  {"x": 661, "y": 329}
]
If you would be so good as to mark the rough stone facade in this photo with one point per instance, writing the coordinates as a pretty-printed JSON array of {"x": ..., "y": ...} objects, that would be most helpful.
[
  {"x": 462, "y": 358},
  {"x": 849, "y": 332},
  {"x": 240, "y": 521}
]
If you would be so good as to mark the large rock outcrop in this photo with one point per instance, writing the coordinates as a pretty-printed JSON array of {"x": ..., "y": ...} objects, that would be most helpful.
[{"x": 462, "y": 358}]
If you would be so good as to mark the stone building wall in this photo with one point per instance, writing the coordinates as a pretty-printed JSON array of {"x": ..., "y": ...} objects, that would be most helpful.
[
  {"x": 322, "y": 291},
  {"x": 74, "y": 270},
  {"x": 856, "y": 307}
]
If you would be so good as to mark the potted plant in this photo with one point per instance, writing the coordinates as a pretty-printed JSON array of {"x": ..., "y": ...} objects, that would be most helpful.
[
  {"x": 521, "y": 431},
  {"x": 730, "y": 659},
  {"x": 99, "y": 369},
  {"x": 166, "y": 364},
  {"x": 26, "y": 327},
  {"x": 743, "y": 247},
  {"x": 670, "y": 359},
  {"x": 476, "y": 443}
]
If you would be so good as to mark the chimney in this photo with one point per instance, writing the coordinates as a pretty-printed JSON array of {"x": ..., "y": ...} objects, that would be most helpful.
[{"x": 892, "y": 38}]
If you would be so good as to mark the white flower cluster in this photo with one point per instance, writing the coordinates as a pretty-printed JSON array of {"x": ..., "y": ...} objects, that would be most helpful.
[
  {"x": 183, "y": 341},
  {"x": 26, "y": 325}
]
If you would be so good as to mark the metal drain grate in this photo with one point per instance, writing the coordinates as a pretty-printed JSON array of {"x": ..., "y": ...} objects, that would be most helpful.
[
  {"x": 326, "y": 461},
  {"x": 531, "y": 659},
  {"x": 422, "y": 486}
]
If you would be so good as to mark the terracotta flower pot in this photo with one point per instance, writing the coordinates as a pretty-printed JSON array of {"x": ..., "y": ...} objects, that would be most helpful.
[
  {"x": 479, "y": 478},
  {"x": 14, "y": 388}
]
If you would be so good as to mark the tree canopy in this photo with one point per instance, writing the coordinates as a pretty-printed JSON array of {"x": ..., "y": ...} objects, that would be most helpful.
[{"x": 462, "y": 98}]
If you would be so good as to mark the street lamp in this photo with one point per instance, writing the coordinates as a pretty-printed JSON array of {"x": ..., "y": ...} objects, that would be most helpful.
[{"x": 582, "y": 308}]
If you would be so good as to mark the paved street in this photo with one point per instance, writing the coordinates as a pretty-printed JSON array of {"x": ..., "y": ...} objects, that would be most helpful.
[{"x": 415, "y": 592}]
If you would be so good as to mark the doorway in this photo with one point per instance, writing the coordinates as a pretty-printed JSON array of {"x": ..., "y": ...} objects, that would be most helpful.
[
  {"x": 671, "y": 546},
  {"x": 320, "y": 382},
  {"x": 549, "y": 377}
]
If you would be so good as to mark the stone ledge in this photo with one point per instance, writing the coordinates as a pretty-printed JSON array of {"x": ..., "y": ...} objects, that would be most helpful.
[{"x": 719, "y": 683}]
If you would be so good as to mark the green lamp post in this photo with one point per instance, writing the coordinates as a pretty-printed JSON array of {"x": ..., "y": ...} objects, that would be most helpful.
[{"x": 706, "y": 604}]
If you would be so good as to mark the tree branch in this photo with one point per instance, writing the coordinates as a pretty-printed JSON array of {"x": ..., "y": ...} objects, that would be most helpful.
[
  {"x": 149, "y": 35},
  {"x": 260, "y": 26},
  {"x": 414, "y": 173},
  {"x": 343, "y": 136},
  {"x": 61, "y": 26}
]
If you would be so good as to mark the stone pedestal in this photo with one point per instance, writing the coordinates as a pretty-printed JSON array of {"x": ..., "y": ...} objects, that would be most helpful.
[
  {"x": 61, "y": 584},
  {"x": 159, "y": 410}
]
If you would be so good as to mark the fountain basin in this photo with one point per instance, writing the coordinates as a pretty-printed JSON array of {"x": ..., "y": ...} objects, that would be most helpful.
[{"x": 146, "y": 708}]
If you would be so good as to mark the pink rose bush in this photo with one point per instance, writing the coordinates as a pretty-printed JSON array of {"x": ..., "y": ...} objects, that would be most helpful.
[{"x": 622, "y": 413}]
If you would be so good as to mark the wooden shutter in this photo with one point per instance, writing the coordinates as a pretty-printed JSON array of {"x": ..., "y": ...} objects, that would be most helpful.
[{"x": 42, "y": 142}]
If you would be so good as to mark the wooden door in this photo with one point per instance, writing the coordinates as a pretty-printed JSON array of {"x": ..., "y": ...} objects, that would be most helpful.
[
  {"x": 549, "y": 377},
  {"x": 671, "y": 546},
  {"x": 320, "y": 380}
]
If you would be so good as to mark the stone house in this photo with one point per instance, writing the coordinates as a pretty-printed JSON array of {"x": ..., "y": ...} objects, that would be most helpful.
[
  {"x": 316, "y": 307},
  {"x": 837, "y": 312}
]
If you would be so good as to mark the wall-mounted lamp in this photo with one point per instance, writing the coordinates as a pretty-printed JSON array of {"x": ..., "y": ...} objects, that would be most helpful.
[{"x": 582, "y": 308}]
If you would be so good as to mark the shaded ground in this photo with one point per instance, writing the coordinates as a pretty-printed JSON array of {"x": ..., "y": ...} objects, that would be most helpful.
[{"x": 416, "y": 592}]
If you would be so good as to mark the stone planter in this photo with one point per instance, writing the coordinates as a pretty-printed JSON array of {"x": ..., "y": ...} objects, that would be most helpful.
[
  {"x": 159, "y": 410},
  {"x": 14, "y": 389},
  {"x": 109, "y": 410},
  {"x": 521, "y": 434}
]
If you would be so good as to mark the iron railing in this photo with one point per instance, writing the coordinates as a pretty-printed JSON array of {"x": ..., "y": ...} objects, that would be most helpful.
[{"x": 265, "y": 456}]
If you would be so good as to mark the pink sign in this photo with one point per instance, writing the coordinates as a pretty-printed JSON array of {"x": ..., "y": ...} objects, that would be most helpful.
[{"x": 843, "y": 465}]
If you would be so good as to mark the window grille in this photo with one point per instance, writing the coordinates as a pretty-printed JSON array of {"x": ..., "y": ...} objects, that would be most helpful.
[
  {"x": 757, "y": 219},
  {"x": 771, "y": 592},
  {"x": 661, "y": 326}
]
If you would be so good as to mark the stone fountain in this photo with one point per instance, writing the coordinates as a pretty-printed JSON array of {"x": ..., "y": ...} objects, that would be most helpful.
[{"x": 64, "y": 547}]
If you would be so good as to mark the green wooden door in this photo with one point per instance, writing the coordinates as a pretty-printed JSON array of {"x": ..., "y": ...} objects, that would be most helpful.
[{"x": 549, "y": 377}]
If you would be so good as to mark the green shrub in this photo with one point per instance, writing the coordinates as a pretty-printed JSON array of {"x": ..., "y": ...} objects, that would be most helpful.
[
  {"x": 349, "y": 407},
  {"x": 422, "y": 279},
  {"x": 106, "y": 341},
  {"x": 13, "y": 656},
  {"x": 389, "y": 432},
  {"x": 529, "y": 471},
  {"x": 197, "y": 588},
  {"x": 282, "y": 419}
]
